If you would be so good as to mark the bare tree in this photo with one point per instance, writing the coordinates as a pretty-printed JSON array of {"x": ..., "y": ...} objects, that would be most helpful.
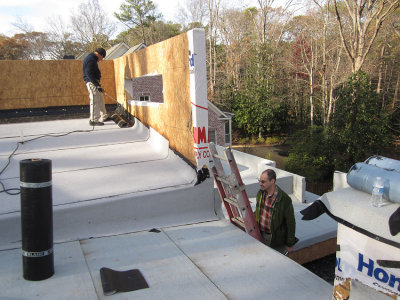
[
  {"x": 273, "y": 24},
  {"x": 317, "y": 57},
  {"x": 213, "y": 16},
  {"x": 91, "y": 26},
  {"x": 333, "y": 83},
  {"x": 193, "y": 14},
  {"x": 395, "y": 27},
  {"x": 265, "y": 6},
  {"x": 22, "y": 25},
  {"x": 396, "y": 99},
  {"x": 365, "y": 20},
  {"x": 36, "y": 43},
  {"x": 273, "y": 20},
  {"x": 307, "y": 51},
  {"x": 324, "y": 13},
  {"x": 63, "y": 43},
  {"x": 235, "y": 32},
  {"x": 331, "y": 56}
]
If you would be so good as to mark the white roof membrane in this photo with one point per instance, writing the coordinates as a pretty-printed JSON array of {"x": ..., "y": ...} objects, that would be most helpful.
[{"x": 110, "y": 187}]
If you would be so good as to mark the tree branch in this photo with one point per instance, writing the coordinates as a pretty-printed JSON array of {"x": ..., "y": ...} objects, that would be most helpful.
[{"x": 341, "y": 33}]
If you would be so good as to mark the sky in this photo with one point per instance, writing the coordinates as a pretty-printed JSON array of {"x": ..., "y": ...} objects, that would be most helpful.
[{"x": 36, "y": 13}]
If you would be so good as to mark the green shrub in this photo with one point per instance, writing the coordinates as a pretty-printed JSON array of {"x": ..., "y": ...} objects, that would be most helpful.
[
  {"x": 310, "y": 155},
  {"x": 359, "y": 126},
  {"x": 260, "y": 141},
  {"x": 273, "y": 140},
  {"x": 243, "y": 141},
  {"x": 253, "y": 141},
  {"x": 359, "y": 129}
]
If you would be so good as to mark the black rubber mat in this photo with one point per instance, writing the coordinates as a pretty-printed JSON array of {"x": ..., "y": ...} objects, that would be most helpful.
[{"x": 121, "y": 281}]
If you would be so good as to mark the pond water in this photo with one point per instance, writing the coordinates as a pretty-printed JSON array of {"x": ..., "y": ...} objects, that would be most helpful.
[{"x": 275, "y": 153}]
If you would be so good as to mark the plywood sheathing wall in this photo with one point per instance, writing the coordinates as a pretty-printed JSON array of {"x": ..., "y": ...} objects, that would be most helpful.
[
  {"x": 172, "y": 119},
  {"x": 35, "y": 84}
]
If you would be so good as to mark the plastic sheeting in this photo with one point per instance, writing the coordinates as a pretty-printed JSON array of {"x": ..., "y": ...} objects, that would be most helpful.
[
  {"x": 384, "y": 163},
  {"x": 361, "y": 176}
]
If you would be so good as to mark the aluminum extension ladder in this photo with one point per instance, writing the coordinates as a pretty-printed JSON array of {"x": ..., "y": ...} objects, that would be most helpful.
[{"x": 233, "y": 193}]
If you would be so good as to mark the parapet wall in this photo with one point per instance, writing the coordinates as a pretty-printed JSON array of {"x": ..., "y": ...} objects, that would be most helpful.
[
  {"x": 46, "y": 83},
  {"x": 173, "y": 117}
]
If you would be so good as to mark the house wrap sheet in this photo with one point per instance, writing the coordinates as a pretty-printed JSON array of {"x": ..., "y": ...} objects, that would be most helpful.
[{"x": 198, "y": 95}]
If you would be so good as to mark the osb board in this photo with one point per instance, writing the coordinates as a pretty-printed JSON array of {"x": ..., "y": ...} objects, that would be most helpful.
[
  {"x": 33, "y": 84},
  {"x": 343, "y": 291},
  {"x": 314, "y": 252},
  {"x": 171, "y": 119}
]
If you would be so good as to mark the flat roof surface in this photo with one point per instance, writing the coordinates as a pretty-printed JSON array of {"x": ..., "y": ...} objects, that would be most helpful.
[
  {"x": 210, "y": 260},
  {"x": 91, "y": 164},
  {"x": 106, "y": 180},
  {"x": 354, "y": 206},
  {"x": 110, "y": 186}
]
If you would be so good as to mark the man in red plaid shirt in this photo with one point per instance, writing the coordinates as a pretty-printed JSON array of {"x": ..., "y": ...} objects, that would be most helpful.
[{"x": 275, "y": 214}]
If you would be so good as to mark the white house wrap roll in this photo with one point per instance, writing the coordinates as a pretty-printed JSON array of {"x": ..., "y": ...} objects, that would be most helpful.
[
  {"x": 361, "y": 176},
  {"x": 384, "y": 163}
]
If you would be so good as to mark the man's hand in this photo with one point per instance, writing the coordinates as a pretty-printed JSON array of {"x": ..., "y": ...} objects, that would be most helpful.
[
  {"x": 289, "y": 249},
  {"x": 100, "y": 89}
]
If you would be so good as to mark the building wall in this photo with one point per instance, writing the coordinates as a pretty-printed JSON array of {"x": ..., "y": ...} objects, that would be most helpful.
[
  {"x": 172, "y": 118},
  {"x": 44, "y": 83},
  {"x": 151, "y": 86},
  {"x": 218, "y": 126}
]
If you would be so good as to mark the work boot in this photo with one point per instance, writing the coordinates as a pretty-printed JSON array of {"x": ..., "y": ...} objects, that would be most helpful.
[
  {"x": 105, "y": 118},
  {"x": 95, "y": 123}
]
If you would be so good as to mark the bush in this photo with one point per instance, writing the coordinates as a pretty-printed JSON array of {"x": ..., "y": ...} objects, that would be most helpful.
[
  {"x": 260, "y": 141},
  {"x": 273, "y": 140},
  {"x": 359, "y": 129},
  {"x": 359, "y": 126},
  {"x": 311, "y": 155},
  {"x": 243, "y": 141}
]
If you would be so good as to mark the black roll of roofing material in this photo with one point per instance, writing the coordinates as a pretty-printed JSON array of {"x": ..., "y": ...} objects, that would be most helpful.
[{"x": 36, "y": 219}]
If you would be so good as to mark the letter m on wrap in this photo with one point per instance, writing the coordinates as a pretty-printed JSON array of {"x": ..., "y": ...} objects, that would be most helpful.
[{"x": 200, "y": 135}]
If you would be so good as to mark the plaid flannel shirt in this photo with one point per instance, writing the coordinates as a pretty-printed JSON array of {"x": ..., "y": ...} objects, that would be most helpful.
[{"x": 267, "y": 204}]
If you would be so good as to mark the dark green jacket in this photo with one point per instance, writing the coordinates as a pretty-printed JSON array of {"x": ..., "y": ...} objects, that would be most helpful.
[{"x": 283, "y": 223}]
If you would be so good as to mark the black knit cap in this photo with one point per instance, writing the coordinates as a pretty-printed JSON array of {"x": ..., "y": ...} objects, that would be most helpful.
[{"x": 101, "y": 51}]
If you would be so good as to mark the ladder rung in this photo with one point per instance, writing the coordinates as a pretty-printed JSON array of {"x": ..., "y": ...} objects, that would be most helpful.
[
  {"x": 232, "y": 201},
  {"x": 239, "y": 221},
  {"x": 223, "y": 179},
  {"x": 220, "y": 157},
  {"x": 238, "y": 188}
]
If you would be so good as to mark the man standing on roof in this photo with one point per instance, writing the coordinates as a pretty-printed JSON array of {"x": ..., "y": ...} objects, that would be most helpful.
[
  {"x": 275, "y": 214},
  {"x": 92, "y": 76}
]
